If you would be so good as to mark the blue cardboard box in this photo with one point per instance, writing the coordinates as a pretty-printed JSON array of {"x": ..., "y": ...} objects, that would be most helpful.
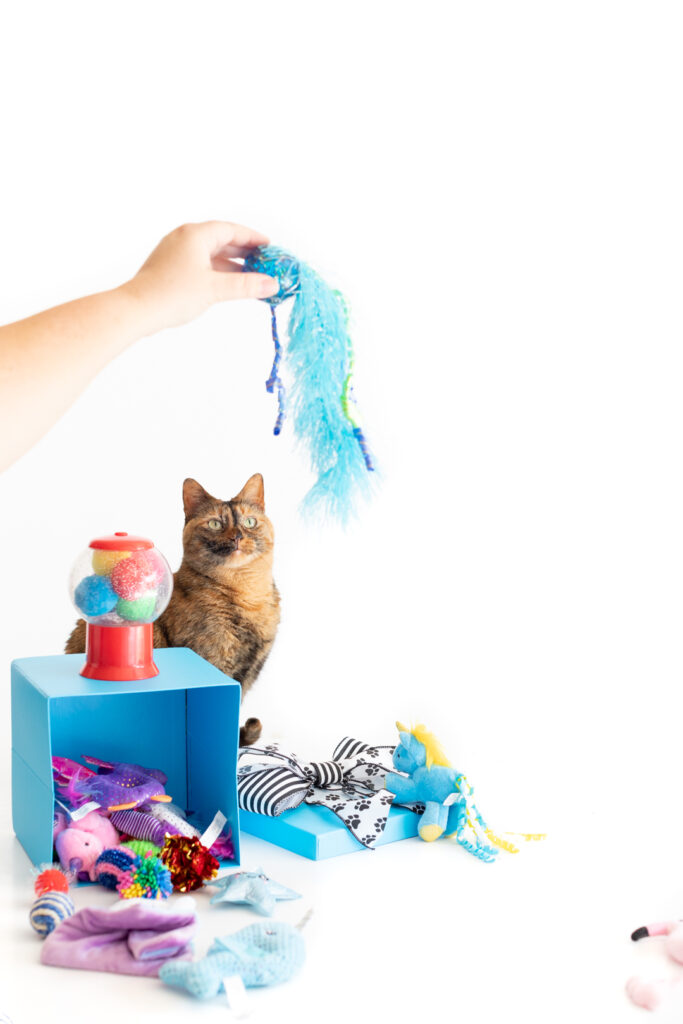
[
  {"x": 184, "y": 721},
  {"x": 316, "y": 832}
]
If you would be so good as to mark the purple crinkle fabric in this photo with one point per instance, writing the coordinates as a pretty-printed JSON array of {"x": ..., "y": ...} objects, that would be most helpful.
[
  {"x": 140, "y": 826},
  {"x": 133, "y": 937}
]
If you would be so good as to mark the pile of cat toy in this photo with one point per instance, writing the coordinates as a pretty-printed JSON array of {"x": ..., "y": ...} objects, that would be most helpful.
[{"x": 116, "y": 825}]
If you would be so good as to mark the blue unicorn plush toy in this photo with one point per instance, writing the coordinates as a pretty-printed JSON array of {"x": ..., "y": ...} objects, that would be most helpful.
[
  {"x": 449, "y": 810},
  {"x": 432, "y": 782}
]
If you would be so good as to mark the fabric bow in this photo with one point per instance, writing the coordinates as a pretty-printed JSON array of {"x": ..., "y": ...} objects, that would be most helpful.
[{"x": 270, "y": 781}]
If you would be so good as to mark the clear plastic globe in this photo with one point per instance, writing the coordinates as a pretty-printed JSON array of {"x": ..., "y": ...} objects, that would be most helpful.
[{"x": 120, "y": 580}]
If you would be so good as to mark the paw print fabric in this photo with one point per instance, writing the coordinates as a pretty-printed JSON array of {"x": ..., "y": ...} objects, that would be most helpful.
[{"x": 271, "y": 780}]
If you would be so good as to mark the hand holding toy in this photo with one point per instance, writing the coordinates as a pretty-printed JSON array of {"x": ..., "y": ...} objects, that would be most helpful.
[{"x": 195, "y": 266}]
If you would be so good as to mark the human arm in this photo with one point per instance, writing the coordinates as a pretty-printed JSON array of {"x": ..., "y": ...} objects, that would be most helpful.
[{"x": 47, "y": 360}]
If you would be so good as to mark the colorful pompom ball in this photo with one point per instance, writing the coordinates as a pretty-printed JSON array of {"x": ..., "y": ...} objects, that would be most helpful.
[
  {"x": 104, "y": 561},
  {"x": 49, "y": 910},
  {"x": 113, "y": 865},
  {"x": 189, "y": 862},
  {"x": 139, "y": 610},
  {"x": 134, "y": 576},
  {"x": 52, "y": 879},
  {"x": 95, "y": 596},
  {"x": 148, "y": 879}
]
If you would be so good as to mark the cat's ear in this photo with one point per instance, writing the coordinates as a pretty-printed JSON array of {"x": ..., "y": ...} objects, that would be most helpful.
[
  {"x": 194, "y": 496},
  {"x": 252, "y": 492}
]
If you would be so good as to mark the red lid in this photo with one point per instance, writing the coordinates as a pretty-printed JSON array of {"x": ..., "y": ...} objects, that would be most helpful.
[{"x": 121, "y": 542}]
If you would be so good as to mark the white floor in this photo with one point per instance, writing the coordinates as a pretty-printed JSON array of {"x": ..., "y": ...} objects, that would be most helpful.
[
  {"x": 497, "y": 190},
  {"x": 412, "y": 930}
]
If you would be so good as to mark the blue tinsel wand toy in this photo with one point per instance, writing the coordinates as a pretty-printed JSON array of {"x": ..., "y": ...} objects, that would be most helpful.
[{"x": 319, "y": 357}]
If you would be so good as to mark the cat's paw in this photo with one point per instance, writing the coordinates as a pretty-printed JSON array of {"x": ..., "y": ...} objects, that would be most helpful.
[{"x": 250, "y": 732}]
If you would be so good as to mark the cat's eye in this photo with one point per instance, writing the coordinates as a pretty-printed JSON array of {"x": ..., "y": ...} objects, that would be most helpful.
[
  {"x": 214, "y": 524},
  {"x": 249, "y": 522}
]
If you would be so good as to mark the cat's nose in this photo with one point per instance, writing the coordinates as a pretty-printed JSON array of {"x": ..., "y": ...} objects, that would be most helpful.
[{"x": 236, "y": 540}]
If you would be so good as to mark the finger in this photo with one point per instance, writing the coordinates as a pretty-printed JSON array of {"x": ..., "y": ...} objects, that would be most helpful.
[
  {"x": 219, "y": 262},
  {"x": 224, "y": 233},
  {"x": 244, "y": 286},
  {"x": 239, "y": 252}
]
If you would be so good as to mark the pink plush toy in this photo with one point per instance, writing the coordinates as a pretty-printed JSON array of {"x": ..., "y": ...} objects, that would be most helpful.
[
  {"x": 650, "y": 994},
  {"x": 80, "y": 843}
]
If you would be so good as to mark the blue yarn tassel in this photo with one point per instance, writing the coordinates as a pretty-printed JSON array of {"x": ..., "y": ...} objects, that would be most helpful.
[
  {"x": 274, "y": 382},
  {"x": 319, "y": 358}
]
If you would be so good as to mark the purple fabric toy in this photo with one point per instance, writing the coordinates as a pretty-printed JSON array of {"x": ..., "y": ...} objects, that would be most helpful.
[
  {"x": 132, "y": 937},
  {"x": 140, "y": 826},
  {"x": 117, "y": 787}
]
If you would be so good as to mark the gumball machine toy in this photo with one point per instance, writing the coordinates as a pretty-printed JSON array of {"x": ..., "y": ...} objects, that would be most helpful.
[
  {"x": 123, "y": 701},
  {"x": 120, "y": 584}
]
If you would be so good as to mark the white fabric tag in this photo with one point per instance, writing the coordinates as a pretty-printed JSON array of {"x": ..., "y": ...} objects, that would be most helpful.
[
  {"x": 236, "y": 994},
  {"x": 81, "y": 812},
  {"x": 209, "y": 837}
]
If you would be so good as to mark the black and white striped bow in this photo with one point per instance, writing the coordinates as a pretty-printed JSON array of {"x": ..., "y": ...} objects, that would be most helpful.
[{"x": 270, "y": 781}]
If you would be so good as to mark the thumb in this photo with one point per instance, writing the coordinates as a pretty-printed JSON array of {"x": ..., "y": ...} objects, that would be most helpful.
[{"x": 244, "y": 286}]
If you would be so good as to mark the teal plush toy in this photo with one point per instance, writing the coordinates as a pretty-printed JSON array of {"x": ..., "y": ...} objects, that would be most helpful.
[
  {"x": 449, "y": 809},
  {"x": 431, "y": 782},
  {"x": 261, "y": 954}
]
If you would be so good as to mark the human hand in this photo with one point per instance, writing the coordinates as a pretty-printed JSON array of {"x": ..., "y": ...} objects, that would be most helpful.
[{"x": 195, "y": 266}]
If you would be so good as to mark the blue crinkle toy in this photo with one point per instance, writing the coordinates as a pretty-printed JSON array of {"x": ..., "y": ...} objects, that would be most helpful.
[
  {"x": 261, "y": 954},
  {"x": 319, "y": 359}
]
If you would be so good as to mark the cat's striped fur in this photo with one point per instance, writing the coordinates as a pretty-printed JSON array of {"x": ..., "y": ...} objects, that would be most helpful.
[{"x": 225, "y": 605}]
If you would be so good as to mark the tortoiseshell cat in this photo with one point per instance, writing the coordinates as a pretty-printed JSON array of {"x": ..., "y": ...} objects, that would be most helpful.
[{"x": 225, "y": 605}]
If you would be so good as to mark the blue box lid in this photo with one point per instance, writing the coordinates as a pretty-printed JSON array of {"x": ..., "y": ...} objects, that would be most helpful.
[{"x": 317, "y": 832}]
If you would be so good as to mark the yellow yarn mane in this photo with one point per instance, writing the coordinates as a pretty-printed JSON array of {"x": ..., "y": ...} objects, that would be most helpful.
[{"x": 433, "y": 749}]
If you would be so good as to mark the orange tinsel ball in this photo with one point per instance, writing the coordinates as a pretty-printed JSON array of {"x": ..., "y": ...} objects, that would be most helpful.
[
  {"x": 189, "y": 862},
  {"x": 51, "y": 880}
]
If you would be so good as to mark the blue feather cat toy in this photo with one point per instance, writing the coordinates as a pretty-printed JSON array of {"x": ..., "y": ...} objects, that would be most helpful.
[{"x": 319, "y": 358}]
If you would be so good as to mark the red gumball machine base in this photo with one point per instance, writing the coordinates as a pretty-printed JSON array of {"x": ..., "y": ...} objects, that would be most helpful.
[{"x": 120, "y": 653}]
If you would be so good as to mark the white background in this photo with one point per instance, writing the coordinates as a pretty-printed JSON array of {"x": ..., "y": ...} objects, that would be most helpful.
[{"x": 497, "y": 189}]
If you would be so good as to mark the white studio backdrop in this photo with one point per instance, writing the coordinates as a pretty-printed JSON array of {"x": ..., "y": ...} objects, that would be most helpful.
[{"x": 496, "y": 189}]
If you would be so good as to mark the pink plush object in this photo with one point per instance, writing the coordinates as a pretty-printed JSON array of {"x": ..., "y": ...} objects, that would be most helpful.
[
  {"x": 650, "y": 994},
  {"x": 133, "y": 937},
  {"x": 77, "y": 850},
  {"x": 101, "y": 827},
  {"x": 81, "y": 842}
]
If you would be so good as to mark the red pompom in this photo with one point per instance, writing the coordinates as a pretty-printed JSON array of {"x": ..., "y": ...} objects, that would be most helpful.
[
  {"x": 137, "y": 575},
  {"x": 51, "y": 880},
  {"x": 189, "y": 862}
]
